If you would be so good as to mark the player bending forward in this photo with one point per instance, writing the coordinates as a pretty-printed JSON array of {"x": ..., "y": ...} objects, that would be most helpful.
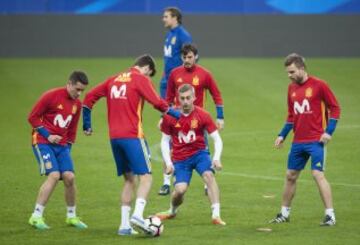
[{"x": 189, "y": 152}]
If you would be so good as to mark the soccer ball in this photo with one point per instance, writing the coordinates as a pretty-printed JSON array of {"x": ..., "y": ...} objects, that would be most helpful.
[{"x": 155, "y": 225}]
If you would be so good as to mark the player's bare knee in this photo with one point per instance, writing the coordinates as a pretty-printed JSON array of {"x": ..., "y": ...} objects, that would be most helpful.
[
  {"x": 208, "y": 177},
  {"x": 54, "y": 176},
  {"x": 291, "y": 177},
  {"x": 180, "y": 189},
  {"x": 68, "y": 178},
  {"x": 130, "y": 179},
  {"x": 318, "y": 175}
]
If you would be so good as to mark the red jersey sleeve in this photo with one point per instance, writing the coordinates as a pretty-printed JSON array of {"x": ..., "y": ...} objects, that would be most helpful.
[
  {"x": 165, "y": 125},
  {"x": 171, "y": 89},
  {"x": 330, "y": 101},
  {"x": 73, "y": 126},
  {"x": 146, "y": 89},
  {"x": 214, "y": 90},
  {"x": 95, "y": 94},
  {"x": 290, "y": 115},
  {"x": 37, "y": 112},
  {"x": 209, "y": 123}
]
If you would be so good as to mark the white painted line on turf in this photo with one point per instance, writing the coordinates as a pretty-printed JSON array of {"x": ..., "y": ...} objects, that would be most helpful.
[
  {"x": 269, "y": 196},
  {"x": 264, "y": 229},
  {"x": 282, "y": 179}
]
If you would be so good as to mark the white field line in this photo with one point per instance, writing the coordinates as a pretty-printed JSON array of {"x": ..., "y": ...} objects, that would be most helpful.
[
  {"x": 261, "y": 177},
  {"x": 154, "y": 149}
]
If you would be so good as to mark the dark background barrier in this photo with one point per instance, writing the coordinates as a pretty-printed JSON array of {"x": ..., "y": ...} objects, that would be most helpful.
[{"x": 215, "y": 35}]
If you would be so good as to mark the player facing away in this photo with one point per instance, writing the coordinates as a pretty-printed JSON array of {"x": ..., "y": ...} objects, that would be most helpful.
[
  {"x": 190, "y": 152},
  {"x": 125, "y": 94},
  {"x": 313, "y": 112},
  {"x": 202, "y": 81},
  {"x": 54, "y": 119}
]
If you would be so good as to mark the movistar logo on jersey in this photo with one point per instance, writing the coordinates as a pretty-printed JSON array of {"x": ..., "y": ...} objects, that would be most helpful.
[
  {"x": 168, "y": 51},
  {"x": 187, "y": 138},
  {"x": 61, "y": 122},
  {"x": 302, "y": 108},
  {"x": 118, "y": 92}
]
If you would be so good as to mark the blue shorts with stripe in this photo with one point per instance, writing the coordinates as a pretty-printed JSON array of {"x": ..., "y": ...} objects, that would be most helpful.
[
  {"x": 200, "y": 161},
  {"x": 53, "y": 158},
  {"x": 301, "y": 152},
  {"x": 131, "y": 155}
]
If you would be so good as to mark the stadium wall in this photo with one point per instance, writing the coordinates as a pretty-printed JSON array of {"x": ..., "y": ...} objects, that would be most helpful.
[{"x": 218, "y": 35}]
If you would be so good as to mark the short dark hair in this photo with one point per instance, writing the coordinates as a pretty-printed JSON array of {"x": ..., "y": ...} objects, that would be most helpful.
[
  {"x": 186, "y": 87},
  {"x": 187, "y": 48},
  {"x": 296, "y": 59},
  {"x": 146, "y": 60},
  {"x": 175, "y": 12},
  {"x": 78, "y": 76}
]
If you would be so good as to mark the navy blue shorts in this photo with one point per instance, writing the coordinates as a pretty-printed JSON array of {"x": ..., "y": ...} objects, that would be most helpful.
[
  {"x": 131, "y": 156},
  {"x": 301, "y": 152},
  {"x": 53, "y": 158},
  {"x": 200, "y": 161}
]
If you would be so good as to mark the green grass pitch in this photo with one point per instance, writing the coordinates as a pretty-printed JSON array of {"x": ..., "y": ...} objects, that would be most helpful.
[{"x": 254, "y": 92}]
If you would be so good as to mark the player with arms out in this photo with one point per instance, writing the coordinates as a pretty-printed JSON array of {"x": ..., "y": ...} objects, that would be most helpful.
[
  {"x": 202, "y": 80},
  {"x": 313, "y": 112},
  {"x": 190, "y": 152},
  {"x": 125, "y": 94},
  {"x": 54, "y": 119}
]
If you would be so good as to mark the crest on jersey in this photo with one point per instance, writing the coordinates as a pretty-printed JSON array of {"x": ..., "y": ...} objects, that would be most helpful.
[
  {"x": 293, "y": 94},
  {"x": 177, "y": 125},
  {"x": 179, "y": 80},
  {"x": 308, "y": 92},
  {"x": 195, "y": 81},
  {"x": 74, "y": 109},
  {"x": 173, "y": 40},
  {"x": 123, "y": 77},
  {"x": 48, "y": 165},
  {"x": 194, "y": 123},
  {"x": 60, "y": 107}
]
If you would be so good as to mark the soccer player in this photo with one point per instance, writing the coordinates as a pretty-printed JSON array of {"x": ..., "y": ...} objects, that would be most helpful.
[
  {"x": 125, "y": 94},
  {"x": 54, "y": 119},
  {"x": 313, "y": 112},
  {"x": 202, "y": 80},
  {"x": 176, "y": 37},
  {"x": 190, "y": 152}
]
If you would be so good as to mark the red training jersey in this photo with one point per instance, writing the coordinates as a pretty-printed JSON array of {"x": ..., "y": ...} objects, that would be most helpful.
[
  {"x": 58, "y": 113},
  {"x": 310, "y": 104},
  {"x": 187, "y": 133},
  {"x": 199, "y": 78},
  {"x": 125, "y": 94}
]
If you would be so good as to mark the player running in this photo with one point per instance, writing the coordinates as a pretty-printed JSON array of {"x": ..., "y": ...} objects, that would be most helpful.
[
  {"x": 125, "y": 94},
  {"x": 190, "y": 152},
  {"x": 313, "y": 112},
  {"x": 202, "y": 80},
  {"x": 54, "y": 119}
]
